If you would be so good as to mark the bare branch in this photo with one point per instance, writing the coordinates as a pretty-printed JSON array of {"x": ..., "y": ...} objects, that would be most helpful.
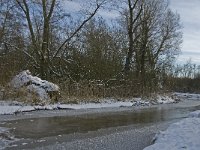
[
  {"x": 78, "y": 29},
  {"x": 25, "y": 52},
  {"x": 51, "y": 9},
  {"x": 30, "y": 25}
]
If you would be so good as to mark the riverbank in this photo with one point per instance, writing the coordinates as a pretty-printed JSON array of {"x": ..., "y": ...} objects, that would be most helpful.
[
  {"x": 14, "y": 107},
  {"x": 95, "y": 128},
  {"x": 186, "y": 100}
]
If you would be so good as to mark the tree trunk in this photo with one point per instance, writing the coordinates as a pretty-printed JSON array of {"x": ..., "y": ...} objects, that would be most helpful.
[{"x": 132, "y": 27}]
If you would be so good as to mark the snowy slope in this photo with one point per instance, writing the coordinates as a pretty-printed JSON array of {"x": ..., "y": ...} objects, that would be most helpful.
[{"x": 184, "y": 134}]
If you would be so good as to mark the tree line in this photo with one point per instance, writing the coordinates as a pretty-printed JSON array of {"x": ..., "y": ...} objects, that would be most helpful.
[{"x": 58, "y": 45}]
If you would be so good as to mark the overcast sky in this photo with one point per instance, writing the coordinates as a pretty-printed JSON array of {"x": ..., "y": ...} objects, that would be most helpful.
[{"x": 189, "y": 11}]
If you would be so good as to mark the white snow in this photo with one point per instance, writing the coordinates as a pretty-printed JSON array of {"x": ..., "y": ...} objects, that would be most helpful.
[
  {"x": 95, "y": 105},
  {"x": 195, "y": 114},
  {"x": 184, "y": 134},
  {"x": 14, "y": 107},
  {"x": 188, "y": 96},
  {"x": 8, "y": 109},
  {"x": 33, "y": 84},
  {"x": 5, "y": 137},
  {"x": 165, "y": 99}
]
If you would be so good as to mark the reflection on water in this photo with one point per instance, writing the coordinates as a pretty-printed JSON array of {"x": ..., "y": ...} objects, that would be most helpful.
[{"x": 45, "y": 127}]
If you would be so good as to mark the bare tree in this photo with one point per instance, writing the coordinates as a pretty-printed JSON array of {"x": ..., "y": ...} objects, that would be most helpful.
[
  {"x": 159, "y": 41},
  {"x": 102, "y": 56},
  {"x": 154, "y": 38},
  {"x": 132, "y": 16},
  {"x": 43, "y": 56}
]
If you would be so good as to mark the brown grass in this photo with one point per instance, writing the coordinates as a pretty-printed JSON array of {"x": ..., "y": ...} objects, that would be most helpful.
[
  {"x": 84, "y": 91},
  {"x": 20, "y": 95},
  {"x": 94, "y": 92}
]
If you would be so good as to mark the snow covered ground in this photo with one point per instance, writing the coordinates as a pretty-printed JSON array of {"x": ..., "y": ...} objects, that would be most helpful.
[
  {"x": 5, "y": 137},
  {"x": 188, "y": 96},
  {"x": 9, "y": 107},
  {"x": 184, "y": 134},
  {"x": 13, "y": 107}
]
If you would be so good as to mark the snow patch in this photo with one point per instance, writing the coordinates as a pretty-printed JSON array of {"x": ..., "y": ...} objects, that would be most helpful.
[
  {"x": 95, "y": 105},
  {"x": 188, "y": 96},
  {"x": 165, "y": 99},
  {"x": 140, "y": 102},
  {"x": 195, "y": 114},
  {"x": 9, "y": 110},
  {"x": 5, "y": 137},
  {"x": 184, "y": 134}
]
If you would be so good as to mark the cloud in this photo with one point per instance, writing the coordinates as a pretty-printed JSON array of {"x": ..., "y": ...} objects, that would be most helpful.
[
  {"x": 108, "y": 14},
  {"x": 190, "y": 17},
  {"x": 190, "y": 56},
  {"x": 71, "y": 6},
  {"x": 75, "y": 6}
]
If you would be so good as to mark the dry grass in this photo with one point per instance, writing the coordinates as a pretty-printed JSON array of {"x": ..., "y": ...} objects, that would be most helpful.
[
  {"x": 95, "y": 92},
  {"x": 85, "y": 91},
  {"x": 21, "y": 95}
]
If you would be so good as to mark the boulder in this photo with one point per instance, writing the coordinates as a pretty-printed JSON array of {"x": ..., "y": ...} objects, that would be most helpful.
[{"x": 42, "y": 89}]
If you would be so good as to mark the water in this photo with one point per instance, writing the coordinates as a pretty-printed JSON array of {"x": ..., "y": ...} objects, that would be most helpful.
[{"x": 53, "y": 126}]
